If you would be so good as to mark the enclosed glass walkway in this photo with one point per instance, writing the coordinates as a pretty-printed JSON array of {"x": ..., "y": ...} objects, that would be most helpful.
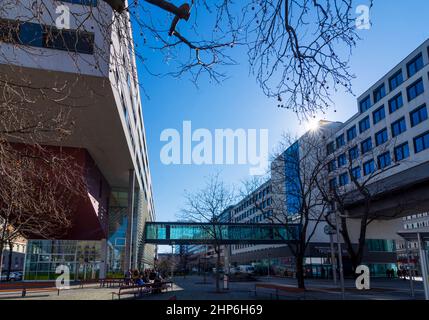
[{"x": 222, "y": 233}]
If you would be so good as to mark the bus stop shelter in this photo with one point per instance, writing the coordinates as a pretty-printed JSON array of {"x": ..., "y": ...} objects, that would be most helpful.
[{"x": 421, "y": 237}]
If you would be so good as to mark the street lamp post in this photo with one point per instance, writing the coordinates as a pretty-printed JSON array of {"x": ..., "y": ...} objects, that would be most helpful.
[
  {"x": 409, "y": 268},
  {"x": 340, "y": 256},
  {"x": 172, "y": 261},
  {"x": 333, "y": 260}
]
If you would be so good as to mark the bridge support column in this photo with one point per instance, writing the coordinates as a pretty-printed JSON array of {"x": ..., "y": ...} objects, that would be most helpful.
[{"x": 424, "y": 265}]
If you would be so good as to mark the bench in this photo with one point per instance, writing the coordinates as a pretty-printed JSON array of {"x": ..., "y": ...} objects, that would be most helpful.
[
  {"x": 279, "y": 290},
  {"x": 27, "y": 287},
  {"x": 136, "y": 290},
  {"x": 83, "y": 282},
  {"x": 112, "y": 282},
  {"x": 131, "y": 290}
]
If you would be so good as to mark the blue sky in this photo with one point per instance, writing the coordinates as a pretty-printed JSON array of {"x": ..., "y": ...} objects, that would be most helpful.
[{"x": 398, "y": 28}]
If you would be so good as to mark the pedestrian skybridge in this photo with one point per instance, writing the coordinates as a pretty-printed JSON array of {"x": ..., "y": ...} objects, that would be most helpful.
[{"x": 186, "y": 233}]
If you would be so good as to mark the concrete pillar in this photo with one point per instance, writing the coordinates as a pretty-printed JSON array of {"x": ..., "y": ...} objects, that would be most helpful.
[
  {"x": 226, "y": 258},
  {"x": 424, "y": 266},
  {"x": 129, "y": 242},
  {"x": 103, "y": 260}
]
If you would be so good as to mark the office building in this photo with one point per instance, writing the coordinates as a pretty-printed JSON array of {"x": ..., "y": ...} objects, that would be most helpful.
[{"x": 94, "y": 60}]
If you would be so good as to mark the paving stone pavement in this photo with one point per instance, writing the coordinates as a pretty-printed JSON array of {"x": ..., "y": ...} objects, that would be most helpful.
[{"x": 194, "y": 288}]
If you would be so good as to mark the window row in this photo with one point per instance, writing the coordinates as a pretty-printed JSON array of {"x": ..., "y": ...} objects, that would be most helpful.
[
  {"x": 383, "y": 161},
  {"x": 43, "y": 36},
  {"x": 398, "y": 127},
  {"x": 413, "y": 66}
]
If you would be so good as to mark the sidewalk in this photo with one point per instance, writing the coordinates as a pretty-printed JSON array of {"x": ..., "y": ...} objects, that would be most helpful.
[{"x": 193, "y": 288}]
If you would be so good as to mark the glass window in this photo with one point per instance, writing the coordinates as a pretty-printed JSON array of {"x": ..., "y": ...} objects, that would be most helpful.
[
  {"x": 366, "y": 145},
  {"x": 396, "y": 80},
  {"x": 330, "y": 148},
  {"x": 375, "y": 245},
  {"x": 9, "y": 31},
  {"x": 396, "y": 103},
  {"x": 351, "y": 133},
  {"x": 384, "y": 160},
  {"x": 365, "y": 104},
  {"x": 402, "y": 152},
  {"x": 368, "y": 167},
  {"x": 354, "y": 153},
  {"x": 344, "y": 179},
  {"x": 92, "y": 3},
  {"x": 378, "y": 115},
  {"x": 31, "y": 34},
  {"x": 332, "y": 166},
  {"x": 418, "y": 115},
  {"x": 364, "y": 125},
  {"x": 381, "y": 137},
  {"x": 398, "y": 127},
  {"x": 68, "y": 40},
  {"x": 342, "y": 160},
  {"x": 356, "y": 173},
  {"x": 340, "y": 141},
  {"x": 379, "y": 93},
  {"x": 332, "y": 184},
  {"x": 421, "y": 142},
  {"x": 415, "y": 89},
  {"x": 415, "y": 65}
]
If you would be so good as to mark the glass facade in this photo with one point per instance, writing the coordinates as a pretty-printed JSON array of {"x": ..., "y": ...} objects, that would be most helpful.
[
  {"x": 196, "y": 233},
  {"x": 43, "y": 257},
  {"x": 118, "y": 223},
  {"x": 376, "y": 245},
  {"x": 292, "y": 179}
]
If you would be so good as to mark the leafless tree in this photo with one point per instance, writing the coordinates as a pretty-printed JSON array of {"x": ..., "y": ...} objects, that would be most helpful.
[
  {"x": 37, "y": 183},
  {"x": 295, "y": 200},
  {"x": 207, "y": 206},
  {"x": 298, "y": 50},
  {"x": 361, "y": 189}
]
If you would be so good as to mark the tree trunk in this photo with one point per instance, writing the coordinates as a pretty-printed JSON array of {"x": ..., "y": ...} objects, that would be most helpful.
[
  {"x": 9, "y": 264},
  {"x": 299, "y": 264},
  {"x": 218, "y": 270},
  {"x": 1, "y": 257}
]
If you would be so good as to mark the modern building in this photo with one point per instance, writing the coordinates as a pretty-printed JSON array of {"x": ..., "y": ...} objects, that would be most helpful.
[
  {"x": 93, "y": 60},
  {"x": 388, "y": 141},
  {"x": 408, "y": 252},
  {"x": 386, "y": 144},
  {"x": 15, "y": 257}
]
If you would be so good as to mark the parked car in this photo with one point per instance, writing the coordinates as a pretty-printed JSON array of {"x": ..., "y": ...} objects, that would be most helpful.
[
  {"x": 13, "y": 276},
  {"x": 220, "y": 270},
  {"x": 17, "y": 276},
  {"x": 248, "y": 269}
]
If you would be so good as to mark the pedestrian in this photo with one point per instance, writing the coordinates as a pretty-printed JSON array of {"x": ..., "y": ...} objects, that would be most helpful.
[{"x": 127, "y": 277}]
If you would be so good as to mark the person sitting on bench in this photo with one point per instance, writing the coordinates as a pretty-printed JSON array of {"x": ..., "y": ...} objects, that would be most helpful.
[{"x": 139, "y": 282}]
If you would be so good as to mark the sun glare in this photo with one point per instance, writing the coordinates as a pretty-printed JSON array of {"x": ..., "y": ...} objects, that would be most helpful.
[{"x": 312, "y": 125}]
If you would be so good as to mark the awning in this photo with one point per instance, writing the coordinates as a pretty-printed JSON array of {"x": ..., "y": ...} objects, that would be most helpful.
[{"x": 412, "y": 234}]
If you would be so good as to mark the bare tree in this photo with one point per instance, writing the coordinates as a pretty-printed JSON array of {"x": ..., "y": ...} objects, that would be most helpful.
[
  {"x": 207, "y": 206},
  {"x": 359, "y": 186},
  {"x": 38, "y": 183},
  {"x": 295, "y": 201},
  {"x": 298, "y": 50}
]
